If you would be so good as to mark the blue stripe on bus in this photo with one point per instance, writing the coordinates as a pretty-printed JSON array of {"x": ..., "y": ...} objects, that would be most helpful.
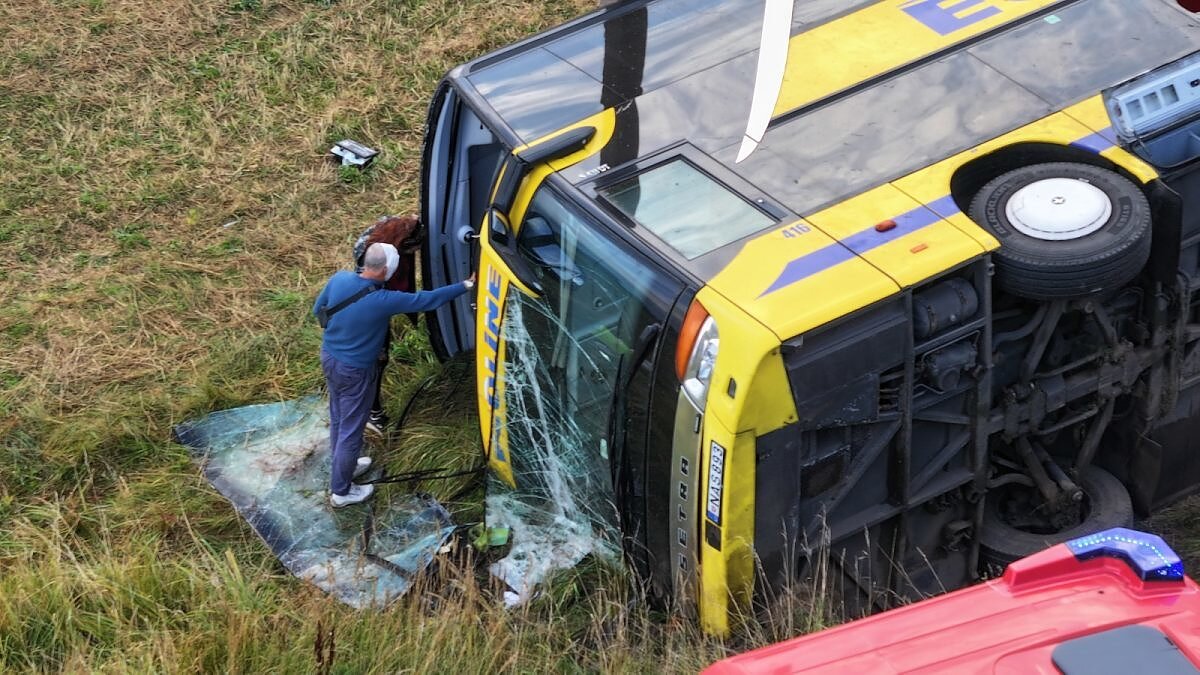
[
  {"x": 859, "y": 243},
  {"x": 809, "y": 264},
  {"x": 944, "y": 207},
  {"x": 906, "y": 223},
  {"x": 1096, "y": 143}
]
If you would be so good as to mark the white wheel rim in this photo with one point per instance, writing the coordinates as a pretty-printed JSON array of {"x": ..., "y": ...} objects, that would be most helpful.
[{"x": 1058, "y": 209}]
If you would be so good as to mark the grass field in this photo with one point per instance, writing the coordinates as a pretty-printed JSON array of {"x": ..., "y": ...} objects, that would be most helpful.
[{"x": 166, "y": 217}]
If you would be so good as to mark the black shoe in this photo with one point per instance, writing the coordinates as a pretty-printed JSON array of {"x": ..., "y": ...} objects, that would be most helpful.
[{"x": 377, "y": 423}]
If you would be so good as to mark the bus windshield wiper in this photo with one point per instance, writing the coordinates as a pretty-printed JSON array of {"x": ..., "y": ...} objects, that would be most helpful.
[{"x": 616, "y": 409}]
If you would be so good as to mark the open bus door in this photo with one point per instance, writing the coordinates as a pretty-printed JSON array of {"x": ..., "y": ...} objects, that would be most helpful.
[{"x": 461, "y": 158}]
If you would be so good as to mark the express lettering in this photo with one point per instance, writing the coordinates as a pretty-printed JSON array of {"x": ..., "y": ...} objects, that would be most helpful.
[
  {"x": 947, "y": 18},
  {"x": 491, "y": 337}
]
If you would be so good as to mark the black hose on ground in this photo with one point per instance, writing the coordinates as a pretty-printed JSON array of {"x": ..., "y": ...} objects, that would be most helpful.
[{"x": 421, "y": 474}]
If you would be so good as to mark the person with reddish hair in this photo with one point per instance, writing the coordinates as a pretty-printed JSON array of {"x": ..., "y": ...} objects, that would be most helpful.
[{"x": 403, "y": 232}]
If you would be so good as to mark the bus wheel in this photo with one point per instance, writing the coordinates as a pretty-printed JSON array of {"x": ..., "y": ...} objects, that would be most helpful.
[
  {"x": 1105, "y": 504},
  {"x": 1066, "y": 230}
]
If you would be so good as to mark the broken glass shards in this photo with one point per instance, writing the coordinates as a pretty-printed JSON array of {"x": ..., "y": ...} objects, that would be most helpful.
[
  {"x": 271, "y": 461},
  {"x": 551, "y": 420}
]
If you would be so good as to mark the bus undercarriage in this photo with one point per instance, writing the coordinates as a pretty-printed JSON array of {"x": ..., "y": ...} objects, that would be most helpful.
[{"x": 956, "y": 427}]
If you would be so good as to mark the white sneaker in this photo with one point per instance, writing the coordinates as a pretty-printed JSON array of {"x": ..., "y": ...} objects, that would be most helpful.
[
  {"x": 356, "y": 495},
  {"x": 364, "y": 465}
]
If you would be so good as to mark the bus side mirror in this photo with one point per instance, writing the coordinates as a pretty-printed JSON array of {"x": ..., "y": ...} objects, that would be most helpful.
[
  {"x": 508, "y": 183},
  {"x": 516, "y": 165},
  {"x": 512, "y": 172}
]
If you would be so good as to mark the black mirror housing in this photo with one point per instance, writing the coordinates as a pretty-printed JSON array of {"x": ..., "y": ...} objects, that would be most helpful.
[{"x": 517, "y": 165}]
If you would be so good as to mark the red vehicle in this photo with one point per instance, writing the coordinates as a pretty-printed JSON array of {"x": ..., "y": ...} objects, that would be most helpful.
[{"x": 1112, "y": 602}]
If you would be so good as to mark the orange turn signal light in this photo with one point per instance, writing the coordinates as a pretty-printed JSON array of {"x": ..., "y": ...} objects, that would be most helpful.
[{"x": 692, "y": 322}]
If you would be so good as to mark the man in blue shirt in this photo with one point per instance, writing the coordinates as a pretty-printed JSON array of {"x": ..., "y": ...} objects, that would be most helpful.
[{"x": 354, "y": 335}]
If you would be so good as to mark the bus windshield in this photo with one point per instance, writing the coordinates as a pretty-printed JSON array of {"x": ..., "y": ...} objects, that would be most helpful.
[{"x": 565, "y": 355}]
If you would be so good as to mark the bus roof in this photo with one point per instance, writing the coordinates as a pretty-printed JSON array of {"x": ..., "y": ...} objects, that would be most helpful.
[{"x": 871, "y": 92}]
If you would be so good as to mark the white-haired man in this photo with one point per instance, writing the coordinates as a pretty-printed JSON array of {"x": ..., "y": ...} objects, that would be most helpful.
[{"x": 355, "y": 310}]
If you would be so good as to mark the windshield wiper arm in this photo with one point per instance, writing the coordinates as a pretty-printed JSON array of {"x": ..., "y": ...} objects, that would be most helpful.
[{"x": 616, "y": 409}]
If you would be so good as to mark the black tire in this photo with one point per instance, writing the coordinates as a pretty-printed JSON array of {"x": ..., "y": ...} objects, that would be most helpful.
[
  {"x": 1041, "y": 269},
  {"x": 1108, "y": 506}
]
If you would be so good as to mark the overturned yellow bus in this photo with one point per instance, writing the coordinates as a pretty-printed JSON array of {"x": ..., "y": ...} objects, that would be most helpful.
[{"x": 904, "y": 283}]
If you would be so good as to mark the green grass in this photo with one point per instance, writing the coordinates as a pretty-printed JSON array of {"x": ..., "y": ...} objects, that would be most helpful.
[{"x": 166, "y": 216}]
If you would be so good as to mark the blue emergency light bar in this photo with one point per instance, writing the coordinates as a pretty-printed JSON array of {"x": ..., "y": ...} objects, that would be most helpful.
[{"x": 1147, "y": 554}]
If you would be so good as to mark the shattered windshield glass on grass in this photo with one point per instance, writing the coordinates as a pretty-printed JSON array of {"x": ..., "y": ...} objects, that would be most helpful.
[
  {"x": 563, "y": 507},
  {"x": 271, "y": 461},
  {"x": 563, "y": 357}
]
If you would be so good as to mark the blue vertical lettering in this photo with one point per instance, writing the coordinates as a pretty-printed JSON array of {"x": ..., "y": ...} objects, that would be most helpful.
[
  {"x": 493, "y": 282},
  {"x": 491, "y": 337},
  {"x": 491, "y": 332},
  {"x": 946, "y": 20},
  {"x": 497, "y": 446},
  {"x": 489, "y": 385}
]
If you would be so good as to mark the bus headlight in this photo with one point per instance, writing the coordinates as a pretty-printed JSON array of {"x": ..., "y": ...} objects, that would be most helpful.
[{"x": 698, "y": 373}]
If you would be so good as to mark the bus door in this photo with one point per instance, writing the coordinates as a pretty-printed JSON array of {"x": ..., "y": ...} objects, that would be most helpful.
[{"x": 460, "y": 161}]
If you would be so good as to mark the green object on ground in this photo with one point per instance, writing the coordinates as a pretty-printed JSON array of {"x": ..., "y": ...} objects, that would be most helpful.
[
  {"x": 497, "y": 536},
  {"x": 483, "y": 537}
]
